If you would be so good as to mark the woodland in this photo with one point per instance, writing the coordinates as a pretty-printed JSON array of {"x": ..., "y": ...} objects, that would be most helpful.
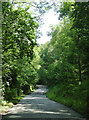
[{"x": 62, "y": 63}]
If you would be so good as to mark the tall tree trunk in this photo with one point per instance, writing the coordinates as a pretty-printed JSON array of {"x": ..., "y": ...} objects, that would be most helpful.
[
  {"x": 80, "y": 79},
  {"x": 79, "y": 47}
]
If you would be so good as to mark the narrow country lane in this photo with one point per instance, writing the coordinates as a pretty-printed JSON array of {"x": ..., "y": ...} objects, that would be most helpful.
[{"x": 37, "y": 106}]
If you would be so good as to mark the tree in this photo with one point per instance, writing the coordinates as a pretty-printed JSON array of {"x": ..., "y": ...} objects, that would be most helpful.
[
  {"x": 80, "y": 23},
  {"x": 19, "y": 39},
  {"x": 78, "y": 12}
]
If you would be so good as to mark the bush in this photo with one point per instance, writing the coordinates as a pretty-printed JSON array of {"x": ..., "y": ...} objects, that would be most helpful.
[
  {"x": 4, "y": 103},
  {"x": 10, "y": 94},
  {"x": 26, "y": 88}
]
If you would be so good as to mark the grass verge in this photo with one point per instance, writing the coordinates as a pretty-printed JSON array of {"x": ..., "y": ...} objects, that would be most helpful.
[{"x": 72, "y": 96}]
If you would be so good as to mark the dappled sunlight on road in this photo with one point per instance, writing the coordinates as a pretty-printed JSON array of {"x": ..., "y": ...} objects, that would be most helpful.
[
  {"x": 30, "y": 108},
  {"x": 37, "y": 105},
  {"x": 34, "y": 98}
]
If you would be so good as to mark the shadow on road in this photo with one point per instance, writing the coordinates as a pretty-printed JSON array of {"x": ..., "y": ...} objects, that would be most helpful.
[{"x": 37, "y": 107}]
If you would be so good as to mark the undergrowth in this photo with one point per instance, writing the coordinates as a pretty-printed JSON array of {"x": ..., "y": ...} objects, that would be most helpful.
[
  {"x": 6, "y": 104},
  {"x": 75, "y": 97}
]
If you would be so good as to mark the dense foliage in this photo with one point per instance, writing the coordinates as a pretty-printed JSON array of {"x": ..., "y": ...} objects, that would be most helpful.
[
  {"x": 63, "y": 62},
  {"x": 19, "y": 34}
]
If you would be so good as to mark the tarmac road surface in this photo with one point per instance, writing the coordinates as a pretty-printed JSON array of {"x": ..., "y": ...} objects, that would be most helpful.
[{"x": 37, "y": 106}]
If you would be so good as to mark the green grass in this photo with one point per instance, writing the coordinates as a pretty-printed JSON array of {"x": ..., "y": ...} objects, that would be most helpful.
[{"x": 71, "y": 96}]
